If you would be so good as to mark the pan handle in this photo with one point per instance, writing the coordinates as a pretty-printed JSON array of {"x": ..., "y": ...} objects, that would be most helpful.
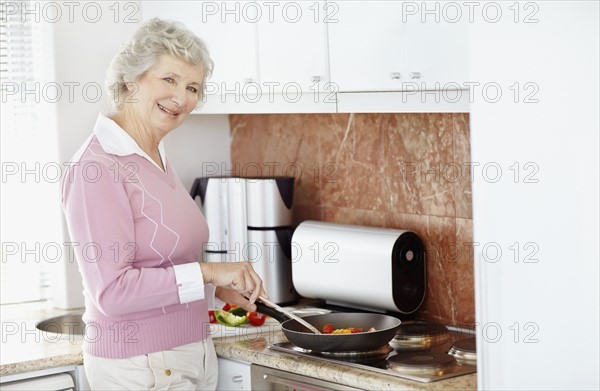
[{"x": 263, "y": 309}]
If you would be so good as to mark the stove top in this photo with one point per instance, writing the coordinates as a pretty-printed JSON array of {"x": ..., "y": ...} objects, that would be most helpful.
[{"x": 421, "y": 351}]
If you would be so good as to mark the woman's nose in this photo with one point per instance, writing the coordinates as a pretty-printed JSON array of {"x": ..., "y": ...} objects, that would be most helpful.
[{"x": 179, "y": 98}]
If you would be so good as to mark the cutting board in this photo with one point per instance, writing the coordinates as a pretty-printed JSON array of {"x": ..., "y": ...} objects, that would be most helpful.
[
  {"x": 271, "y": 326},
  {"x": 246, "y": 331}
]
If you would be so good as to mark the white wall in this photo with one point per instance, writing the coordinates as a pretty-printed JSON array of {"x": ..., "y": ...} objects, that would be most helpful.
[
  {"x": 199, "y": 147},
  {"x": 538, "y": 320},
  {"x": 83, "y": 51}
]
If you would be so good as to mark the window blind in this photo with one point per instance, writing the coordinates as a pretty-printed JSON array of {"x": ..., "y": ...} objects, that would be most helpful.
[{"x": 29, "y": 210}]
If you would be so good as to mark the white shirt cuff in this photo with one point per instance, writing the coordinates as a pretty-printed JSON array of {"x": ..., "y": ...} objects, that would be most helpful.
[
  {"x": 190, "y": 283},
  {"x": 209, "y": 295}
]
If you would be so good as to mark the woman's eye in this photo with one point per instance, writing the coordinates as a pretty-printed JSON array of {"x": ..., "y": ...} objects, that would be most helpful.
[
  {"x": 169, "y": 79},
  {"x": 193, "y": 89}
]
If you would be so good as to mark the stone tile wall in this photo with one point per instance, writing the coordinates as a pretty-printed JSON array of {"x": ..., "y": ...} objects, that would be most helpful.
[{"x": 406, "y": 171}]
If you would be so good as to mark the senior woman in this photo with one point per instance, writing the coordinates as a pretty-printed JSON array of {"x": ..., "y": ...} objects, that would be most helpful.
[{"x": 138, "y": 232}]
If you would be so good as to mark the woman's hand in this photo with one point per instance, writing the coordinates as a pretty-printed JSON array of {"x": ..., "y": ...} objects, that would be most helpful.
[
  {"x": 237, "y": 276},
  {"x": 227, "y": 295}
]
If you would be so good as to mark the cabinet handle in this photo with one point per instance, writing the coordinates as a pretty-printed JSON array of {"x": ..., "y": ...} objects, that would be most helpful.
[
  {"x": 237, "y": 379},
  {"x": 248, "y": 80},
  {"x": 395, "y": 75},
  {"x": 415, "y": 75},
  {"x": 289, "y": 383},
  {"x": 316, "y": 79}
]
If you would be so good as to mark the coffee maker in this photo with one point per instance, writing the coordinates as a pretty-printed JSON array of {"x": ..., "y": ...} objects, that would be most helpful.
[{"x": 250, "y": 219}]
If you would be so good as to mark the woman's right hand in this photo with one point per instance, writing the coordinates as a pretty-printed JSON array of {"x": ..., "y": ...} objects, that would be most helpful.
[{"x": 239, "y": 276}]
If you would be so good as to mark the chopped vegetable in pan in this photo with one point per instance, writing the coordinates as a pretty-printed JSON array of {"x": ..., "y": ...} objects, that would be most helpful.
[{"x": 329, "y": 329}]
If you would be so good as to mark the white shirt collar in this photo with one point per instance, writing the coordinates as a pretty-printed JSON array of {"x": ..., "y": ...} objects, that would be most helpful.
[{"x": 114, "y": 140}]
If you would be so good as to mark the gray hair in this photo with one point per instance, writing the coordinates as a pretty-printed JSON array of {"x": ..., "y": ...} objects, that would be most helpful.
[{"x": 153, "y": 39}]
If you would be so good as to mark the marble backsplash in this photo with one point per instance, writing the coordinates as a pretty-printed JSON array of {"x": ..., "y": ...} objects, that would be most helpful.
[{"x": 406, "y": 171}]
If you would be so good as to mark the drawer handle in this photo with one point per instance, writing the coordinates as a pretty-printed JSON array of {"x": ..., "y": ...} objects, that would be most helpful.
[
  {"x": 290, "y": 383},
  {"x": 396, "y": 75},
  {"x": 237, "y": 379},
  {"x": 415, "y": 75}
]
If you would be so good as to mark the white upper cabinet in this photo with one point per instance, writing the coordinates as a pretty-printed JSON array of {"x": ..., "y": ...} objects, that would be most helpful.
[
  {"x": 229, "y": 30},
  {"x": 292, "y": 45},
  {"x": 313, "y": 56},
  {"x": 436, "y": 48},
  {"x": 396, "y": 45},
  {"x": 365, "y": 46}
]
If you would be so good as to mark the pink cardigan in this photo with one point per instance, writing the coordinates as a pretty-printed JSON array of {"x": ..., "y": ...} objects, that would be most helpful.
[{"x": 137, "y": 236}]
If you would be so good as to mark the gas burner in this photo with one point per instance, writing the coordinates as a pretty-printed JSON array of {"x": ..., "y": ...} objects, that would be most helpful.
[
  {"x": 421, "y": 363},
  {"x": 427, "y": 366},
  {"x": 298, "y": 349},
  {"x": 464, "y": 351},
  {"x": 382, "y": 351},
  {"x": 371, "y": 356},
  {"x": 419, "y": 335}
]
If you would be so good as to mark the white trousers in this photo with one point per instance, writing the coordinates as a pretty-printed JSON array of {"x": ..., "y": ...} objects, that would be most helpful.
[{"x": 187, "y": 367}]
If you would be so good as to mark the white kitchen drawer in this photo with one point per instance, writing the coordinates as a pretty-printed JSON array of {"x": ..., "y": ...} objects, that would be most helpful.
[
  {"x": 233, "y": 375},
  {"x": 56, "y": 382}
]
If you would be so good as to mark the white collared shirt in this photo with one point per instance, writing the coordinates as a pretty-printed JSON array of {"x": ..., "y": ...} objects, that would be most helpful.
[{"x": 115, "y": 140}]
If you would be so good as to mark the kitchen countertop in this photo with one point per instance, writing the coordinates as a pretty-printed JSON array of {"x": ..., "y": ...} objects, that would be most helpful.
[{"x": 26, "y": 349}]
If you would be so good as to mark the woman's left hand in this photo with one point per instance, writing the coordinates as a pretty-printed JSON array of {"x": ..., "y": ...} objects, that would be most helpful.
[{"x": 232, "y": 297}]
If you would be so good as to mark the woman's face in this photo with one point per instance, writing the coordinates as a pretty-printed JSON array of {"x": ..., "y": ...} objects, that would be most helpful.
[{"x": 165, "y": 94}]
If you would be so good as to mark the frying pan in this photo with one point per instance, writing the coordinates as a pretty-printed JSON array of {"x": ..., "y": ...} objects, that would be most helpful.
[{"x": 385, "y": 326}]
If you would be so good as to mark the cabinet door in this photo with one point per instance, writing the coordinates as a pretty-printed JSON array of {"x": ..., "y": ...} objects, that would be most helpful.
[
  {"x": 366, "y": 45},
  {"x": 292, "y": 44},
  {"x": 233, "y": 375},
  {"x": 381, "y": 45},
  {"x": 436, "y": 46},
  {"x": 229, "y": 30}
]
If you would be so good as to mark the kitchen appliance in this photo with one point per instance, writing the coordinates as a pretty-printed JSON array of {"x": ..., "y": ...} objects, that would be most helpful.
[
  {"x": 250, "y": 219},
  {"x": 222, "y": 200},
  {"x": 372, "y": 268},
  {"x": 401, "y": 357}
]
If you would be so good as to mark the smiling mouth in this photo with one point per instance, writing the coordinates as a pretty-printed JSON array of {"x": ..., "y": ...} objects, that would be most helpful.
[{"x": 163, "y": 108}]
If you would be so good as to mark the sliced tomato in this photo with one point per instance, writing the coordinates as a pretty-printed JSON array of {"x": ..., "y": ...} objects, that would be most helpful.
[
  {"x": 356, "y": 330},
  {"x": 256, "y": 318},
  {"x": 327, "y": 328},
  {"x": 228, "y": 306},
  {"x": 211, "y": 316}
]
